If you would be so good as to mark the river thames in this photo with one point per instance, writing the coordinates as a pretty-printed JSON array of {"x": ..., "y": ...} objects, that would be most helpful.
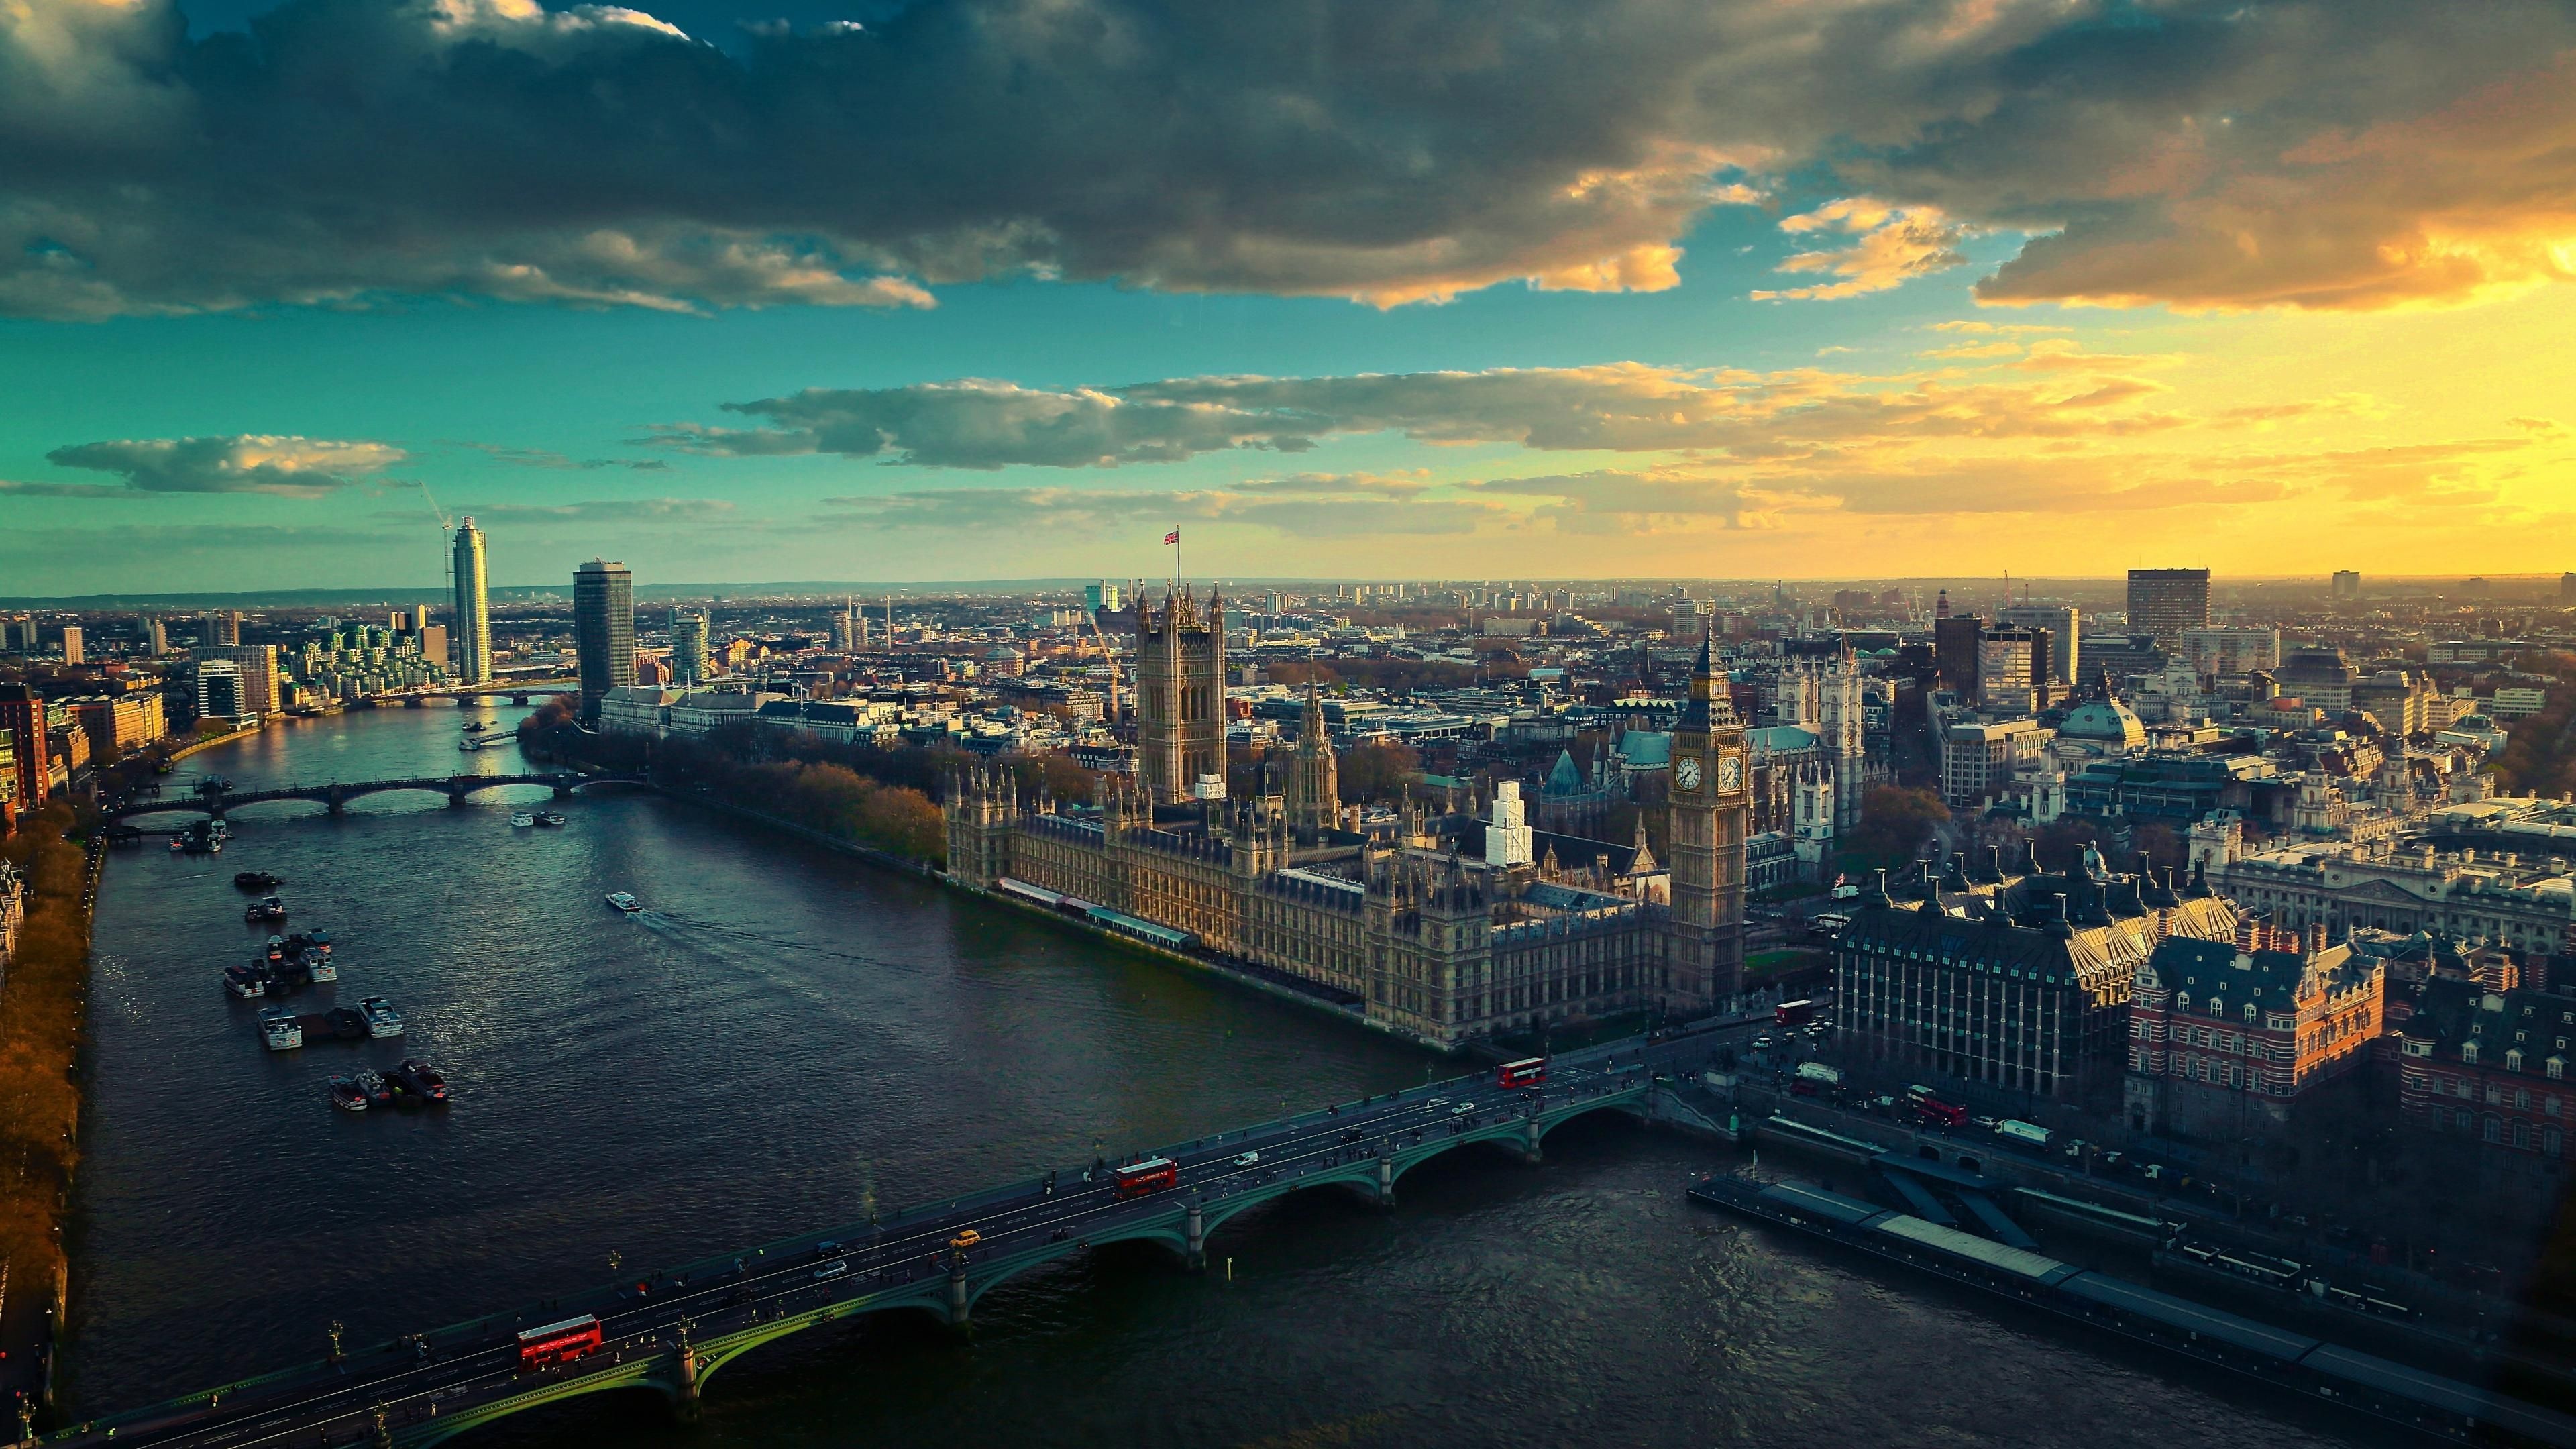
[{"x": 787, "y": 1037}]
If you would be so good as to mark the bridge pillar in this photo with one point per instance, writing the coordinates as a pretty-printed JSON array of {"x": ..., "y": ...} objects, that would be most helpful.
[
  {"x": 1525, "y": 1144},
  {"x": 959, "y": 1306},
  {"x": 455, "y": 794},
  {"x": 563, "y": 789},
  {"x": 1386, "y": 1179},
  {"x": 1196, "y": 1258},
  {"x": 331, "y": 799},
  {"x": 684, "y": 1396}
]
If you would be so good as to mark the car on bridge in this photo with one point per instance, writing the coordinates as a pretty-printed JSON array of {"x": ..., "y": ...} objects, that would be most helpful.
[
  {"x": 966, "y": 1239},
  {"x": 1248, "y": 1159}
]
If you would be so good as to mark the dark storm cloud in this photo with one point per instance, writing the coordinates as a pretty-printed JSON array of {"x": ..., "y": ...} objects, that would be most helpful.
[{"x": 2333, "y": 153}]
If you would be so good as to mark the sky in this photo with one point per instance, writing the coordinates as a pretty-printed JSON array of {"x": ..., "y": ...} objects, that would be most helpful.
[{"x": 1379, "y": 289}]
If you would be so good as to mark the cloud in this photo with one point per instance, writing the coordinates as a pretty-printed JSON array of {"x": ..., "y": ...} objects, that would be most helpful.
[
  {"x": 1365, "y": 511},
  {"x": 248, "y": 463},
  {"x": 602, "y": 510},
  {"x": 1891, "y": 245},
  {"x": 15, "y": 489},
  {"x": 2202, "y": 153},
  {"x": 547, "y": 458},
  {"x": 974, "y": 423},
  {"x": 1614, "y": 407}
]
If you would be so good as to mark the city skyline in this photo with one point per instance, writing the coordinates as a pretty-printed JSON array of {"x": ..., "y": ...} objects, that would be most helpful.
[{"x": 1638, "y": 333}]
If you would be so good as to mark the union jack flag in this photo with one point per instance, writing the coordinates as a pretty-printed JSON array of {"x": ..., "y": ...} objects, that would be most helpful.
[{"x": 1172, "y": 537}]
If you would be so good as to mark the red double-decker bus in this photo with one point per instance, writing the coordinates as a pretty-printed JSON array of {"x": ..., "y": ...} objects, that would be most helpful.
[
  {"x": 1932, "y": 1109},
  {"x": 1154, "y": 1174},
  {"x": 1527, "y": 1072},
  {"x": 1793, "y": 1013},
  {"x": 558, "y": 1342}
]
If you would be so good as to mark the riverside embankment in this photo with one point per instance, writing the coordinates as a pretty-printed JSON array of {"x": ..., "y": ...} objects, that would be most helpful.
[{"x": 788, "y": 1036}]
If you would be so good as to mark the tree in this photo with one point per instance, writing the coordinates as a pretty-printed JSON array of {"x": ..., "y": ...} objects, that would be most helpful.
[
  {"x": 1894, "y": 824},
  {"x": 1377, "y": 772}
]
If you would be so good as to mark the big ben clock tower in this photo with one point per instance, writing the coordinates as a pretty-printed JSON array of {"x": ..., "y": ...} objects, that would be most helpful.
[{"x": 1711, "y": 797}]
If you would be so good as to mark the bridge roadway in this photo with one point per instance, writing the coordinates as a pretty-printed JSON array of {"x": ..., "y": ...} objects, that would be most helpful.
[
  {"x": 668, "y": 1331},
  {"x": 336, "y": 793}
]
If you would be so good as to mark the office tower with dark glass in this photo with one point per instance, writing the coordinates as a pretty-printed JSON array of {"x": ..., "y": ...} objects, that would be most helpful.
[
  {"x": 2164, "y": 602},
  {"x": 603, "y": 630},
  {"x": 473, "y": 636}
]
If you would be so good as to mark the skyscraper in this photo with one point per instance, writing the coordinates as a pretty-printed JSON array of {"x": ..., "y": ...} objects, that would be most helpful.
[
  {"x": 688, "y": 648},
  {"x": 603, "y": 630},
  {"x": 74, "y": 650},
  {"x": 223, "y": 628},
  {"x": 2347, "y": 584},
  {"x": 156, "y": 638},
  {"x": 473, "y": 637},
  {"x": 2164, "y": 602}
]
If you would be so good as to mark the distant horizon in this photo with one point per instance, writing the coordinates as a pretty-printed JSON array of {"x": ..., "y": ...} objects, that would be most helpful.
[{"x": 826, "y": 588}]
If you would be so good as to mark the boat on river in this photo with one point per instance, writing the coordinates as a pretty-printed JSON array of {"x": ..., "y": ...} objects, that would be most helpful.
[
  {"x": 625, "y": 902},
  {"x": 256, "y": 880},
  {"x": 417, "y": 1078},
  {"x": 521, "y": 820},
  {"x": 245, "y": 982},
  {"x": 279, "y": 1028},
  {"x": 347, "y": 1095},
  {"x": 382, "y": 1019}
]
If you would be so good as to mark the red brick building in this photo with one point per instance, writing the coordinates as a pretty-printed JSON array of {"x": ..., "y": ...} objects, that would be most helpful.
[
  {"x": 2226, "y": 1037},
  {"x": 22, "y": 714},
  {"x": 2489, "y": 1066}
]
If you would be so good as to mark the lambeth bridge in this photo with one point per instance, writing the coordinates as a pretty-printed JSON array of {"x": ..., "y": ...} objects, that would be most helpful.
[
  {"x": 668, "y": 1331},
  {"x": 336, "y": 793}
]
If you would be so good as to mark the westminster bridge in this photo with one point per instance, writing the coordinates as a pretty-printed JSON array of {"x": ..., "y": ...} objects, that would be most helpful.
[{"x": 668, "y": 1331}]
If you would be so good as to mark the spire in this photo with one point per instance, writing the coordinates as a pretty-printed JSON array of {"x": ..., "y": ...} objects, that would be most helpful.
[
  {"x": 1707, "y": 709},
  {"x": 1311, "y": 729}
]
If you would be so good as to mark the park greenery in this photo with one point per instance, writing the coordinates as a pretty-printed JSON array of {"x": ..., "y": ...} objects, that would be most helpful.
[{"x": 882, "y": 799}]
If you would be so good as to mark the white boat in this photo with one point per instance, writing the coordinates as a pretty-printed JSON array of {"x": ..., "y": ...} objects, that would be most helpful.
[
  {"x": 244, "y": 982},
  {"x": 382, "y": 1019},
  {"x": 625, "y": 902},
  {"x": 522, "y": 819},
  {"x": 468, "y": 746},
  {"x": 323, "y": 970},
  {"x": 278, "y": 1025}
]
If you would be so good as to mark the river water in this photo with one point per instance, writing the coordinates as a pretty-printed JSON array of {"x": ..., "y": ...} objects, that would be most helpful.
[{"x": 787, "y": 1037}]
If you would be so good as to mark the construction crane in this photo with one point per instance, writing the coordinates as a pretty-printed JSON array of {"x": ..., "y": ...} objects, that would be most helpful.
[{"x": 1093, "y": 616}]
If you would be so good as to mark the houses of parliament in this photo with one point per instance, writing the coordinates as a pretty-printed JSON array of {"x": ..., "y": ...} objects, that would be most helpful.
[{"x": 1452, "y": 926}]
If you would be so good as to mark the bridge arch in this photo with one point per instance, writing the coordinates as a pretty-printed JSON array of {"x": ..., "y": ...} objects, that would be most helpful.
[{"x": 645, "y": 1375}]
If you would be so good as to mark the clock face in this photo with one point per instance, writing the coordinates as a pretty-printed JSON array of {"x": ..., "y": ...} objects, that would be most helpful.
[
  {"x": 1686, "y": 773},
  {"x": 1730, "y": 773}
]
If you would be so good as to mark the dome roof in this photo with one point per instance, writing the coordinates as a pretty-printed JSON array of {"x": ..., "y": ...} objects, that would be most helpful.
[{"x": 2104, "y": 719}]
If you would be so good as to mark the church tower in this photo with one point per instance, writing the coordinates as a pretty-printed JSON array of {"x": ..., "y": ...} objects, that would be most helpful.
[
  {"x": 1180, "y": 695},
  {"x": 1711, "y": 796},
  {"x": 1314, "y": 796}
]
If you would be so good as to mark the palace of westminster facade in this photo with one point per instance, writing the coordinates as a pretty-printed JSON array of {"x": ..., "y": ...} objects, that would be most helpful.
[{"x": 1448, "y": 929}]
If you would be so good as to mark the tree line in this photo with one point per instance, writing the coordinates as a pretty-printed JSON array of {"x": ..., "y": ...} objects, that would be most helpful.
[{"x": 40, "y": 1025}]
